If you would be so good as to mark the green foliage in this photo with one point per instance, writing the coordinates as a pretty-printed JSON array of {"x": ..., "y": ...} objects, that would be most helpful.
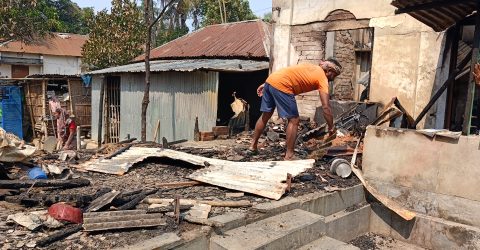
[
  {"x": 166, "y": 35},
  {"x": 173, "y": 23},
  {"x": 236, "y": 10},
  {"x": 116, "y": 37},
  {"x": 27, "y": 20},
  {"x": 72, "y": 18},
  {"x": 267, "y": 17}
]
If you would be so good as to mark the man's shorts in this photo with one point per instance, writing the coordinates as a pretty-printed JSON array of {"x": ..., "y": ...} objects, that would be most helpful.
[{"x": 285, "y": 103}]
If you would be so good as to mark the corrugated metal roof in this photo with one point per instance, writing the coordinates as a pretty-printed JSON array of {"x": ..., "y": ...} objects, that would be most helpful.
[
  {"x": 231, "y": 65},
  {"x": 59, "y": 44},
  {"x": 248, "y": 39},
  {"x": 438, "y": 14}
]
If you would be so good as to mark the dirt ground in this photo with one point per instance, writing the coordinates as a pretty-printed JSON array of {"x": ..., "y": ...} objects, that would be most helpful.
[{"x": 371, "y": 241}]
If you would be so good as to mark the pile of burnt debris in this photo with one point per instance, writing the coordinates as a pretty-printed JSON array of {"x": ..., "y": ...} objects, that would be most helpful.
[{"x": 130, "y": 191}]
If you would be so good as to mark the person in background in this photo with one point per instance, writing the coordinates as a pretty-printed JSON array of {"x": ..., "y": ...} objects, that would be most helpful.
[
  {"x": 66, "y": 132},
  {"x": 280, "y": 89}
]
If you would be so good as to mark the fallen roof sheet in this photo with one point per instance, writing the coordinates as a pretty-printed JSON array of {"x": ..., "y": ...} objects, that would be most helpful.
[
  {"x": 261, "y": 178},
  {"x": 230, "y": 65}
]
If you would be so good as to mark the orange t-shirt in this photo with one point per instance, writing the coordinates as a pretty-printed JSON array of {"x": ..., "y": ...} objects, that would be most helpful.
[{"x": 299, "y": 79}]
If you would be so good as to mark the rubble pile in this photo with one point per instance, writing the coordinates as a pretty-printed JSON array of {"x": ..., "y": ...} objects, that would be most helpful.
[{"x": 54, "y": 201}]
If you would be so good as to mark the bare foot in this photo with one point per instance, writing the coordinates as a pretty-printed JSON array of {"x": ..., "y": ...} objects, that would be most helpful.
[{"x": 290, "y": 157}]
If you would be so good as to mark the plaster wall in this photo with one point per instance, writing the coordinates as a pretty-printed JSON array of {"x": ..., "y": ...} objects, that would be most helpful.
[
  {"x": 434, "y": 176},
  {"x": 307, "y": 11},
  {"x": 5, "y": 70},
  {"x": 21, "y": 55},
  {"x": 61, "y": 65},
  {"x": 407, "y": 63},
  {"x": 34, "y": 69}
]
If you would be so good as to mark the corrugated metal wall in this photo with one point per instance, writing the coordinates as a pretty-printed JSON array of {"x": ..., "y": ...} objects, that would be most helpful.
[{"x": 175, "y": 98}]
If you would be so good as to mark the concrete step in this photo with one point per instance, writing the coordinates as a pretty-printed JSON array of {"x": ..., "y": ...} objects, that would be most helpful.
[
  {"x": 327, "y": 243},
  {"x": 288, "y": 230}
]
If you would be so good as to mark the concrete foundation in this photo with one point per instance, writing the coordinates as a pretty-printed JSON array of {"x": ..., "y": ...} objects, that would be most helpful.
[
  {"x": 425, "y": 231},
  {"x": 288, "y": 230},
  {"x": 321, "y": 221}
]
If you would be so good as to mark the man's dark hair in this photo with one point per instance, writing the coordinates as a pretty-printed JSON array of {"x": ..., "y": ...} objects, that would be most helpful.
[{"x": 334, "y": 61}]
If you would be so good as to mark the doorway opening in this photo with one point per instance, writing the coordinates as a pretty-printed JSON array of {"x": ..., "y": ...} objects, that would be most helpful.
[
  {"x": 112, "y": 109},
  {"x": 245, "y": 85},
  {"x": 353, "y": 49}
]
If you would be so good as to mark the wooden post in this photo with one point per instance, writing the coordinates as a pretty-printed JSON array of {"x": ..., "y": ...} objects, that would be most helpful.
[
  {"x": 72, "y": 113},
  {"x": 30, "y": 109},
  {"x": 196, "y": 130},
  {"x": 44, "y": 109},
  {"x": 467, "y": 118},
  {"x": 156, "y": 131},
  {"x": 79, "y": 140},
  {"x": 454, "y": 39},
  {"x": 107, "y": 111},
  {"x": 100, "y": 112}
]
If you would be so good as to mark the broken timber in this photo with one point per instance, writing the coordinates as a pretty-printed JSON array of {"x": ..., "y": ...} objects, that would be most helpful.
[
  {"x": 100, "y": 221},
  {"x": 102, "y": 201},
  {"x": 240, "y": 203},
  {"x": 389, "y": 203},
  {"x": 16, "y": 184},
  {"x": 266, "y": 179}
]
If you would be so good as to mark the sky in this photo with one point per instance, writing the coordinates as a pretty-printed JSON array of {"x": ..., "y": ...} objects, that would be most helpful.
[{"x": 259, "y": 7}]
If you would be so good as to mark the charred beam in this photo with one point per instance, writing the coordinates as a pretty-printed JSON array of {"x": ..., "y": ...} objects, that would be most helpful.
[
  {"x": 16, "y": 184},
  {"x": 430, "y": 5}
]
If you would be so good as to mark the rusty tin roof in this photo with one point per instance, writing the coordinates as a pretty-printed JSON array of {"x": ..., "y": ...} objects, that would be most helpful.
[
  {"x": 242, "y": 40},
  {"x": 59, "y": 44}
]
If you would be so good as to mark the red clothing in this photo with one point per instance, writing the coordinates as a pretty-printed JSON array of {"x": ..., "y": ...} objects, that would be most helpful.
[{"x": 69, "y": 125}]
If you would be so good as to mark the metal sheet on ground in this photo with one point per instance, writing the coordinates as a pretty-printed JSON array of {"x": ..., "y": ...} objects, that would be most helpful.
[{"x": 266, "y": 179}]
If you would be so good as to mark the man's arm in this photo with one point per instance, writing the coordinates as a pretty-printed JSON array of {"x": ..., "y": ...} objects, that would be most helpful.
[{"x": 327, "y": 110}]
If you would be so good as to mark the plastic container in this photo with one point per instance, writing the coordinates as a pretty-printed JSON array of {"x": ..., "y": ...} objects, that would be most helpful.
[
  {"x": 64, "y": 212},
  {"x": 37, "y": 173}
]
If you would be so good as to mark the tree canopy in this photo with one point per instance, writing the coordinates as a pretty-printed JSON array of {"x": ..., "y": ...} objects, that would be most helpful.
[
  {"x": 72, "y": 18},
  {"x": 116, "y": 37},
  {"x": 201, "y": 13},
  {"x": 213, "y": 11},
  {"x": 26, "y": 20}
]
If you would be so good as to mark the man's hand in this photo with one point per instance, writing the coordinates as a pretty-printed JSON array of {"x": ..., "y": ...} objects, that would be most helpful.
[
  {"x": 260, "y": 90},
  {"x": 476, "y": 73}
]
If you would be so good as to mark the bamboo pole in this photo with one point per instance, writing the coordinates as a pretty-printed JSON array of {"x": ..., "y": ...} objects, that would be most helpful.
[
  {"x": 30, "y": 110},
  {"x": 156, "y": 131}
]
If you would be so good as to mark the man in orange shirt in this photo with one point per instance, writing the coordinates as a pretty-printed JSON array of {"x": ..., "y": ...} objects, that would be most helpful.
[{"x": 280, "y": 89}]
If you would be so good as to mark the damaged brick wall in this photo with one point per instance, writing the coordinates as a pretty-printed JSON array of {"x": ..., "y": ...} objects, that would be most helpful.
[
  {"x": 309, "y": 44},
  {"x": 309, "y": 41},
  {"x": 344, "y": 52}
]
